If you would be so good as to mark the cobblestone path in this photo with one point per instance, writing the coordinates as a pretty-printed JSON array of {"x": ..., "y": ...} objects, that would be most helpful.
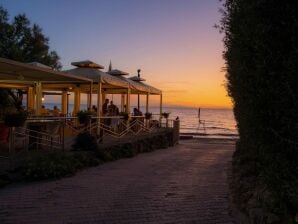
[{"x": 183, "y": 184}]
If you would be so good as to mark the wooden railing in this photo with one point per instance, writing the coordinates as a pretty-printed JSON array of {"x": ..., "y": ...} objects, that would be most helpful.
[{"x": 54, "y": 137}]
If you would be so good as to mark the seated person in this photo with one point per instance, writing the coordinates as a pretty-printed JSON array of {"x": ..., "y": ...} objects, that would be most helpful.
[
  {"x": 56, "y": 112},
  {"x": 44, "y": 111},
  {"x": 94, "y": 109},
  {"x": 137, "y": 112}
]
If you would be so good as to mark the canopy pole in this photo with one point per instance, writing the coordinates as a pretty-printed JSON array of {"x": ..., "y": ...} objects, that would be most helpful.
[
  {"x": 64, "y": 102},
  {"x": 138, "y": 102},
  {"x": 128, "y": 101},
  {"x": 77, "y": 100},
  {"x": 122, "y": 102},
  {"x": 30, "y": 99},
  {"x": 103, "y": 97},
  {"x": 160, "y": 108},
  {"x": 38, "y": 90},
  {"x": 99, "y": 105},
  {"x": 67, "y": 108},
  {"x": 89, "y": 96},
  {"x": 147, "y": 103}
]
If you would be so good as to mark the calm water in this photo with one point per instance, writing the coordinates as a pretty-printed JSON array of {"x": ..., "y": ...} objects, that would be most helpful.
[{"x": 218, "y": 122}]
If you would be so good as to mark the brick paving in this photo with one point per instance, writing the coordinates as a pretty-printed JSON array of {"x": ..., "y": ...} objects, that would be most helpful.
[{"x": 183, "y": 184}]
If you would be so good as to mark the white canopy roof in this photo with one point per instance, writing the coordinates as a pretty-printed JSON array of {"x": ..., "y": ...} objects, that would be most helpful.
[
  {"x": 117, "y": 72},
  {"x": 87, "y": 64},
  {"x": 95, "y": 74},
  {"x": 17, "y": 71},
  {"x": 137, "y": 79}
]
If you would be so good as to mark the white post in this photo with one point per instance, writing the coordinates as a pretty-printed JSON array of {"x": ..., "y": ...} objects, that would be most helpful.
[
  {"x": 147, "y": 103},
  {"x": 128, "y": 101},
  {"x": 89, "y": 97},
  {"x": 64, "y": 102},
  {"x": 122, "y": 102},
  {"x": 99, "y": 105},
  {"x": 30, "y": 99},
  {"x": 77, "y": 100},
  {"x": 38, "y": 90},
  {"x": 160, "y": 108}
]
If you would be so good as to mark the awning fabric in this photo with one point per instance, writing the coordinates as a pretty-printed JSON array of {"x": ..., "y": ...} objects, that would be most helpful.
[
  {"x": 95, "y": 74},
  {"x": 17, "y": 71}
]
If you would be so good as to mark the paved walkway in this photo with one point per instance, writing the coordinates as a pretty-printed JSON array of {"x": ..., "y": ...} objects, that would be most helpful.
[{"x": 183, "y": 184}]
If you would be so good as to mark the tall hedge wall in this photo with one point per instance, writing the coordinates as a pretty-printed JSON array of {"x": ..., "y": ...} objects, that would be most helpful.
[{"x": 261, "y": 53}]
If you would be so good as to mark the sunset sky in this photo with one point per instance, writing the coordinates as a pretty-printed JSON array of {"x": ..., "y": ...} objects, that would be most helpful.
[{"x": 173, "y": 42}]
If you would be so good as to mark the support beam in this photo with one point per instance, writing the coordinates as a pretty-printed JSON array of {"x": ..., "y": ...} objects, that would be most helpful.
[
  {"x": 99, "y": 105},
  {"x": 64, "y": 102},
  {"x": 147, "y": 103},
  {"x": 138, "y": 102},
  {"x": 30, "y": 99},
  {"x": 122, "y": 102},
  {"x": 128, "y": 101},
  {"x": 38, "y": 91},
  {"x": 103, "y": 97},
  {"x": 89, "y": 97},
  {"x": 160, "y": 107},
  {"x": 99, "y": 99},
  {"x": 77, "y": 100}
]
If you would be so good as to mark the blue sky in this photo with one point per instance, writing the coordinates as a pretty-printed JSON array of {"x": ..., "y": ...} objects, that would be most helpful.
[{"x": 172, "y": 41}]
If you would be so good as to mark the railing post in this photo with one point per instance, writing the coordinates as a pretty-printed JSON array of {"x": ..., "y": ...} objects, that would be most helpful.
[
  {"x": 11, "y": 145},
  {"x": 90, "y": 126},
  {"x": 63, "y": 137},
  {"x": 176, "y": 127}
]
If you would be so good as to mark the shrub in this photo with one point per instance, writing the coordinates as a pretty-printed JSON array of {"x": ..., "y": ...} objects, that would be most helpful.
[
  {"x": 103, "y": 155},
  {"x": 84, "y": 117},
  {"x": 123, "y": 151},
  {"x": 86, "y": 159},
  {"x": 51, "y": 165},
  {"x": 85, "y": 141},
  {"x": 15, "y": 119},
  {"x": 261, "y": 42}
]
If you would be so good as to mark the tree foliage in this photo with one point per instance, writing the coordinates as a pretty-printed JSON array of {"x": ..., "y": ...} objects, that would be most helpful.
[
  {"x": 21, "y": 41},
  {"x": 261, "y": 54}
]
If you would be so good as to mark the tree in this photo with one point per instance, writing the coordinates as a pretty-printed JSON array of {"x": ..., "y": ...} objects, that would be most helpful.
[
  {"x": 22, "y": 42},
  {"x": 261, "y": 53},
  {"x": 25, "y": 43}
]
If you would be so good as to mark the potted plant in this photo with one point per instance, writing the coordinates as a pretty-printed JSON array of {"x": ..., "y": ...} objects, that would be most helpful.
[
  {"x": 15, "y": 119},
  {"x": 124, "y": 115},
  {"x": 165, "y": 115},
  {"x": 84, "y": 117},
  {"x": 148, "y": 116}
]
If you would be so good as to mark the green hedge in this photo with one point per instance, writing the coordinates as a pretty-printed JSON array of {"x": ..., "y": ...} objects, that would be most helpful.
[
  {"x": 38, "y": 165},
  {"x": 261, "y": 41},
  {"x": 50, "y": 165}
]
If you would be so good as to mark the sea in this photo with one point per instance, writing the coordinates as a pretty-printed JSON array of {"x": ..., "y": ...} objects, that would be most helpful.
[{"x": 213, "y": 123}]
